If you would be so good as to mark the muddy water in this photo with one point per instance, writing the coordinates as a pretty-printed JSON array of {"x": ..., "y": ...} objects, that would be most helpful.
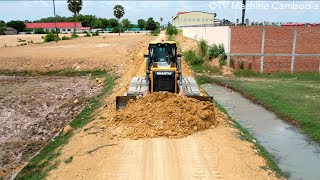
[{"x": 294, "y": 153}]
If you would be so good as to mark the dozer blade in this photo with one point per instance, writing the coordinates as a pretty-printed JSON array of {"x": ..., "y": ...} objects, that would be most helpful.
[
  {"x": 202, "y": 98},
  {"x": 122, "y": 101}
]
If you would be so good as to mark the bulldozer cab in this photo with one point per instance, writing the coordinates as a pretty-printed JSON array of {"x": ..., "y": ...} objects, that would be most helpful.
[{"x": 162, "y": 53}]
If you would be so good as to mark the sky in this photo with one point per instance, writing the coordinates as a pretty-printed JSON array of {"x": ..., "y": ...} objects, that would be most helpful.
[{"x": 273, "y": 11}]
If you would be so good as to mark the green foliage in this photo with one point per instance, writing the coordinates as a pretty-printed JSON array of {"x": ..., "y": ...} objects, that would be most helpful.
[
  {"x": 222, "y": 59},
  {"x": 17, "y": 25},
  {"x": 151, "y": 24},
  {"x": 203, "y": 49},
  {"x": 74, "y": 35},
  {"x": 118, "y": 11},
  {"x": 125, "y": 24},
  {"x": 95, "y": 33},
  {"x": 100, "y": 23},
  {"x": 65, "y": 38},
  {"x": 191, "y": 57},
  {"x": 87, "y": 34},
  {"x": 203, "y": 79},
  {"x": 141, "y": 23},
  {"x": 40, "y": 31},
  {"x": 215, "y": 51},
  {"x": 112, "y": 23},
  {"x": 75, "y": 6},
  {"x": 155, "y": 32},
  {"x": 51, "y": 37},
  {"x": 2, "y": 27},
  {"x": 171, "y": 30}
]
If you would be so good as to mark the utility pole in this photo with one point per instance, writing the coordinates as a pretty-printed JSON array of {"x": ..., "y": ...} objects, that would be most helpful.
[{"x": 55, "y": 19}]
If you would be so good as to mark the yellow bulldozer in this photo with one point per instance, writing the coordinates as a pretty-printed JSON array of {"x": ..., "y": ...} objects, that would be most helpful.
[{"x": 163, "y": 73}]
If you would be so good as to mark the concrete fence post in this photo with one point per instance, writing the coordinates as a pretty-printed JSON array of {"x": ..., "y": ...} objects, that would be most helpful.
[
  {"x": 293, "y": 49},
  {"x": 229, "y": 47},
  {"x": 262, "y": 50}
]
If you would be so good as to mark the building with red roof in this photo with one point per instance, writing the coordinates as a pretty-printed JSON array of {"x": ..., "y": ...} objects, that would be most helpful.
[{"x": 63, "y": 27}]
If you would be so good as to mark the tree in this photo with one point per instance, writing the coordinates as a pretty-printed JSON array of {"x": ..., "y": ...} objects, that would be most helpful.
[
  {"x": 112, "y": 23},
  {"x": 161, "y": 19},
  {"x": 118, "y": 12},
  {"x": 151, "y": 24},
  {"x": 100, "y": 23},
  {"x": 2, "y": 27},
  {"x": 171, "y": 30},
  {"x": 243, "y": 11},
  {"x": 17, "y": 25},
  {"x": 237, "y": 21},
  {"x": 247, "y": 22},
  {"x": 141, "y": 23},
  {"x": 125, "y": 24},
  {"x": 75, "y": 6}
]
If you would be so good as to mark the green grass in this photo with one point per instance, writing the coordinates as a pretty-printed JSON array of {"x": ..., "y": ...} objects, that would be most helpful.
[
  {"x": 201, "y": 68},
  {"x": 295, "y": 98},
  {"x": 40, "y": 165},
  {"x": 64, "y": 72}
]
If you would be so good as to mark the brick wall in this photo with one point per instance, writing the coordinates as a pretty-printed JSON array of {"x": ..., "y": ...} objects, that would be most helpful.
[{"x": 278, "y": 40}]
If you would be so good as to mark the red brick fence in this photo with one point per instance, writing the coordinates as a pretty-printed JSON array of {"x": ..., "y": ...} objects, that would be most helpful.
[{"x": 274, "y": 49}]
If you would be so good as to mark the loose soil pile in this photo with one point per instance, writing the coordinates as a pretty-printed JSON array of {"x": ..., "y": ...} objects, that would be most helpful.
[{"x": 162, "y": 115}]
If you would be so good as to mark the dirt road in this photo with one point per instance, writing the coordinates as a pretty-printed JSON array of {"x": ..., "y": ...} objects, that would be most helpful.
[{"x": 216, "y": 153}]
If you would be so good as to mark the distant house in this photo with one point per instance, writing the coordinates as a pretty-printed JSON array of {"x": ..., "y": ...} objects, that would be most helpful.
[
  {"x": 10, "y": 31},
  {"x": 63, "y": 27}
]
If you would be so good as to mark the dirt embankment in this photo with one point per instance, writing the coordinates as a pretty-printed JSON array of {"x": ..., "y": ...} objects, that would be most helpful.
[
  {"x": 162, "y": 115},
  {"x": 33, "y": 110}
]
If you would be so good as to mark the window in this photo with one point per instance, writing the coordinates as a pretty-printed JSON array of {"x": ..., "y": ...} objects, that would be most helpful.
[
  {"x": 207, "y": 20},
  {"x": 189, "y": 20},
  {"x": 198, "y": 20},
  {"x": 193, "y": 20},
  {"x": 69, "y": 29}
]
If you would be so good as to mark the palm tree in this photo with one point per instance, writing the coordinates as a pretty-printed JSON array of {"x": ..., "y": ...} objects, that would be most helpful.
[
  {"x": 161, "y": 19},
  {"x": 118, "y": 12},
  {"x": 75, "y": 6},
  {"x": 243, "y": 11}
]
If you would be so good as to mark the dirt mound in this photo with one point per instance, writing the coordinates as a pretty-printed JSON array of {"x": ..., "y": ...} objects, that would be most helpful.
[{"x": 162, "y": 114}]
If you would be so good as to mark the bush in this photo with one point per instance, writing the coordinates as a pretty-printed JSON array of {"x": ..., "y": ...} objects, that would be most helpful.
[
  {"x": 192, "y": 58},
  {"x": 51, "y": 37},
  {"x": 171, "y": 30},
  {"x": 39, "y": 31},
  {"x": 155, "y": 32},
  {"x": 65, "y": 38},
  {"x": 203, "y": 49},
  {"x": 95, "y": 33},
  {"x": 214, "y": 51},
  {"x": 87, "y": 34},
  {"x": 222, "y": 59},
  {"x": 74, "y": 35}
]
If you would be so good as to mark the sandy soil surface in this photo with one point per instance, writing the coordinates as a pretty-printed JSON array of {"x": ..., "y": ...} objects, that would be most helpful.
[
  {"x": 216, "y": 153},
  {"x": 33, "y": 110},
  {"x": 100, "y": 52}
]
